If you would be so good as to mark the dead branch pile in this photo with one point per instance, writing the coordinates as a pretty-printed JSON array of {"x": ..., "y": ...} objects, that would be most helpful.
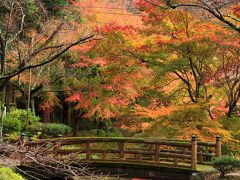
[{"x": 36, "y": 164}]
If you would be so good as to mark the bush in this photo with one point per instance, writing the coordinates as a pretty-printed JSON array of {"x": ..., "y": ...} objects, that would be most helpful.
[
  {"x": 100, "y": 133},
  {"x": 53, "y": 129},
  {"x": 87, "y": 133},
  {"x": 226, "y": 164},
  {"x": 9, "y": 174},
  {"x": 15, "y": 121},
  {"x": 114, "y": 133},
  {"x": 13, "y": 137},
  {"x": 36, "y": 128},
  {"x": 40, "y": 130}
]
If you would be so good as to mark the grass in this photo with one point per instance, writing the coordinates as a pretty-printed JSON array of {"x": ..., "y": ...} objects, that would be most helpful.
[{"x": 205, "y": 168}]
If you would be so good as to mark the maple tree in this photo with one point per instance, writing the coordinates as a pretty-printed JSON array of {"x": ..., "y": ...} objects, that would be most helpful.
[
  {"x": 180, "y": 47},
  {"x": 88, "y": 67},
  {"x": 117, "y": 79},
  {"x": 178, "y": 52}
]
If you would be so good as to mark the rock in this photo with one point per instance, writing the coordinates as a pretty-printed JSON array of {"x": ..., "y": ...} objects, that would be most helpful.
[{"x": 197, "y": 176}]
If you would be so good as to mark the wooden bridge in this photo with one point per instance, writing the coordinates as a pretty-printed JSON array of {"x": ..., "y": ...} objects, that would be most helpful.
[{"x": 158, "y": 152}]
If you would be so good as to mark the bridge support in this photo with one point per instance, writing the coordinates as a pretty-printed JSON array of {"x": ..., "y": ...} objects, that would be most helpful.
[
  {"x": 88, "y": 151},
  {"x": 175, "y": 161},
  {"x": 151, "y": 149},
  {"x": 218, "y": 146},
  {"x": 121, "y": 148},
  {"x": 157, "y": 152},
  {"x": 194, "y": 152}
]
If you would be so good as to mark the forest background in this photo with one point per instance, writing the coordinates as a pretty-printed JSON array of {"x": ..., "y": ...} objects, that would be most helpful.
[{"x": 143, "y": 68}]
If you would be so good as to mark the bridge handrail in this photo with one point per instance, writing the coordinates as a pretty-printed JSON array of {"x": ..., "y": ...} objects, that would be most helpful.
[
  {"x": 186, "y": 143},
  {"x": 154, "y": 150}
]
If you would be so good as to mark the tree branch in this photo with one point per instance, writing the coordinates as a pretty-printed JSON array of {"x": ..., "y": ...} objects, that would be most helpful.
[
  {"x": 212, "y": 10},
  {"x": 20, "y": 70}
]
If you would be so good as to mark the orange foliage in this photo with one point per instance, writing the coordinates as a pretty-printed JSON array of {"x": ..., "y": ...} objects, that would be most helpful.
[
  {"x": 49, "y": 102},
  {"x": 156, "y": 113},
  {"x": 101, "y": 12}
]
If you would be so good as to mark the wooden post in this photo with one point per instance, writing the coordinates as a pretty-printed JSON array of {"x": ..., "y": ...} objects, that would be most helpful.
[
  {"x": 23, "y": 139},
  {"x": 175, "y": 161},
  {"x": 194, "y": 152},
  {"x": 88, "y": 151},
  {"x": 104, "y": 155},
  {"x": 218, "y": 146},
  {"x": 201, "y": 157},
  {"x": 140, "y": 157},
  {"x": 151, "y": 148},
  {"x": 185, "y": 152},
  {"x": 121, "y": 148},
  {"x": 157, "y": 150}
]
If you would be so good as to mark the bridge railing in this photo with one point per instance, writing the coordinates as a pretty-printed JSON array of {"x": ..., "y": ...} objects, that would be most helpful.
[{"x": 145, "y": 151}]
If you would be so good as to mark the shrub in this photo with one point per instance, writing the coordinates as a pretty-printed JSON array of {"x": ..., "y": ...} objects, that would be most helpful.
[
  {"x": 13, "y": 137},
  {"x": 36, "y": 136},
  {"x": 53, "y": 129},
  {"x": 85, "y": 124},
  {"x": 114, "y": 133},
  {"x": 87, "y": 133},
  {"x": 15, "y": 121},
  {"x": 9, "y": 174},
  {"x": 101, "y": 133},
  {"x": 39, "y": 130},
  {"x": 36, "y": 128},
  {"x": 226, "y": 164}
]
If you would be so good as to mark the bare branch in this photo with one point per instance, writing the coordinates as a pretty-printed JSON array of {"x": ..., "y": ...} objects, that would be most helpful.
[
  {"x": 21, "y": 26},
  {"x": 212, "y": 9},
  {"x": 25, "y": 67}
]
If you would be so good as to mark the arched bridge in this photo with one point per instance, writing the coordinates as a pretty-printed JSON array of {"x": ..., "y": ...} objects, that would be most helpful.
[{"x": 157, "y": 152}]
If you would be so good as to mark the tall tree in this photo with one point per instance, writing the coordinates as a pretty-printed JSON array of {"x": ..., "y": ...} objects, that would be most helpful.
[
  {"x": 191, "y": 46},
  {"x": 116, "y": 77}
]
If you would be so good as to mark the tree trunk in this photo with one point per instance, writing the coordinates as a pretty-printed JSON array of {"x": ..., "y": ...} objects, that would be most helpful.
[
  {"x": 69, "y": 115},
  {"x": 10, "y": 96},
  {"x": 210, "y": 113},
  {"x": 33, "y": 106},
  {"x": 78, "y": 125},
  {"x": 2, "y": 113},
  {"x": 45, "y": 116},
  {"x": 230, "y": 111},
  {"x": 75, "y": 121},
  {"x": 66, "y": 114},
  {"x": 231, "y": 108}
]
